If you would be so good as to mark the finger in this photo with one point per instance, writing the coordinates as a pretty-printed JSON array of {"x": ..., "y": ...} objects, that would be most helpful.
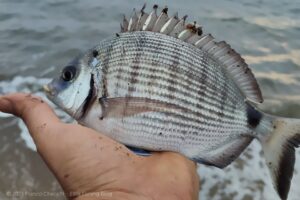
[
  {"x": 44, "y": 126},
  {"x": 34, "y": 112},
  {"x": 24, "y": 105},
  {"x": 57, "y": 142}
]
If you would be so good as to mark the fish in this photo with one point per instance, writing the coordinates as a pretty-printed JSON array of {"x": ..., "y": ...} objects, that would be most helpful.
[{"x": 163, "y": 84}]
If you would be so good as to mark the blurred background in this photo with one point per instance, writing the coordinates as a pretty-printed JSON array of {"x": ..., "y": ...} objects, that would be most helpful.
[{"x": 37, "y": 38}]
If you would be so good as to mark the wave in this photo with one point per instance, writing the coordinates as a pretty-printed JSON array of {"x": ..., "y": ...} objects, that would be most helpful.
[{"x": 34, "y": 86}]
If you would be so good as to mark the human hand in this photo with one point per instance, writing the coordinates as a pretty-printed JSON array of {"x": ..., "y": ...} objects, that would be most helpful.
[{"x": 89, "y": 165}]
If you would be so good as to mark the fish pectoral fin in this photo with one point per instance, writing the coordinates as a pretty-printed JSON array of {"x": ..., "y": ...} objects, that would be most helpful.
[{"x": 119, "y": 107}]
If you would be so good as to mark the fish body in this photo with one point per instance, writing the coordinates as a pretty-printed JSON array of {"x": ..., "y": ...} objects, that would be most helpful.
[
  {"x": 196, "y": 109},
  {"x": 176, "y": 90}
]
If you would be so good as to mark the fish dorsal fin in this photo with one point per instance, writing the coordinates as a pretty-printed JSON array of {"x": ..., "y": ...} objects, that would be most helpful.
[{"x": 192, "y": 33}]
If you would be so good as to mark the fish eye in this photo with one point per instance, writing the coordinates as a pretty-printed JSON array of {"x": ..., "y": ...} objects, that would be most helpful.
[{"x": 68, "y": 73}]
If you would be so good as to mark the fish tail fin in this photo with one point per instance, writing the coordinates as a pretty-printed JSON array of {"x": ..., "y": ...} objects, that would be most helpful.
[{"x": 279, "y": 150}]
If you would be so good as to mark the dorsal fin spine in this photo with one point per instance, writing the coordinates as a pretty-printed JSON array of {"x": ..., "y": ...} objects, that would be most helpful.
[
  {"x": 150, "y": 21},
  {"x": 230, "y": 61},
  {"x": 194, "y": 39},
  {"x": 161, "y": 20},
  {"x": 223, "y": 49},
  {"x": 222, "y": 52},
  {"x": 169, "y": 25},
  {"x": 133, "y": 21},
  {"x": 234, "y": 65},
  {"x": 219, "y": 53},
  {"x": 180, "y": 26},
  {"x": 213, "y": 49},
  {"x": 141, "y": 21},
  {"x": 204, "y": 40},
  {"x": 185, "y": 34},
  {"x": 124, "y": 24},
  {"x": 218, "y": 46},
  {"x": 141, "y": 18},
  {"x": 224, "y": 58},
  {"x": 234, "y": 70},
  {"x": 208, "y": 45},
  {"x": 176, "y": 16}
]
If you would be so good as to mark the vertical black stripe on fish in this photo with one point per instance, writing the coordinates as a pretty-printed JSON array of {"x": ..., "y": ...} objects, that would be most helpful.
[
  {"x": 136, "y": 63},
  {"x": 224, "y": 95},
  {"x": 133, "y": 78},
  {"x": 204, "y": 70},
  {"x": 236, "y": 104},
  {"x": 204, "y": 75},
  {"x": 109, "y": 53},
  {"x": 107, "y": 57},
  {"x": 134, "y": 72},
  {"x": 104, "y": 87},
  {"x": 189, "y": 58},
  {"x": 183, "y": 92},
  {"x": 175, "y": 55},
  {"x": 191, "y": 62},
  {"x": 89, "y": 99},
  {"x": 202, "y": 88},
  {"x": 156, "y": 66},
  {"x": 121, "y": 64},
  {"x": 104, "y": 72},
  {"x": 105, "y": 67},
  {"x": 181, "y": 100},
  {"x": 253, "y": 116}
]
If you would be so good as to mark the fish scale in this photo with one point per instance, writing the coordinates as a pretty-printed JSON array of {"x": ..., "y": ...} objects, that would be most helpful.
[
  {"x": 165, "y": 85},
  {"x": 128, "y": 58},
  {"x": 162, "y": 60},
  {"x": 160, "y": 75},
  {"x": 138, "y": 89},
  {"x": 206, "y": 142},
  {"x": 182, "y": 99},
  {"x": 195, "y": 130},
  {"x": 133, "y": 55},
  {"x": 161, "y": 95}
]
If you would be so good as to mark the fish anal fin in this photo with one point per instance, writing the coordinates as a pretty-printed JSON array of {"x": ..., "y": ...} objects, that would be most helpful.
[{"x": 225, "y": 154}]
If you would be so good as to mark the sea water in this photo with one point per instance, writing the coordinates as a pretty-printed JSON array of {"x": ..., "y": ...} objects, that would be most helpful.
[{"x": 37, "y": 38}]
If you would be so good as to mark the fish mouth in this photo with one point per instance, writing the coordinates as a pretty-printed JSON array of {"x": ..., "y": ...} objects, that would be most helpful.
[
  {"x": 46, "y": 89},
  {"x": 50, "y": 92}
]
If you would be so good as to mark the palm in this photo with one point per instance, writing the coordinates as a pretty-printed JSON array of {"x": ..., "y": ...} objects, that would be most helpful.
[{"x": 89, "y": 165}]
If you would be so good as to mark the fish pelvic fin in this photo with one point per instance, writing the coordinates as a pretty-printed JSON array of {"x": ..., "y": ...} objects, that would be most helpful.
[{"x": 279, "y": 150}]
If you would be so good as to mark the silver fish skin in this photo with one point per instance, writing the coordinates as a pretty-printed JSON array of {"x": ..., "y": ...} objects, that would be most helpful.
[
  {"x": 199, "y": 108},
  {"x": 157, "y": 92}
]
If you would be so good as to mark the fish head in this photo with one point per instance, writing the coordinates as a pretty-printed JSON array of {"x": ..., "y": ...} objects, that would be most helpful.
[{"x": 74, "y": 85}]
